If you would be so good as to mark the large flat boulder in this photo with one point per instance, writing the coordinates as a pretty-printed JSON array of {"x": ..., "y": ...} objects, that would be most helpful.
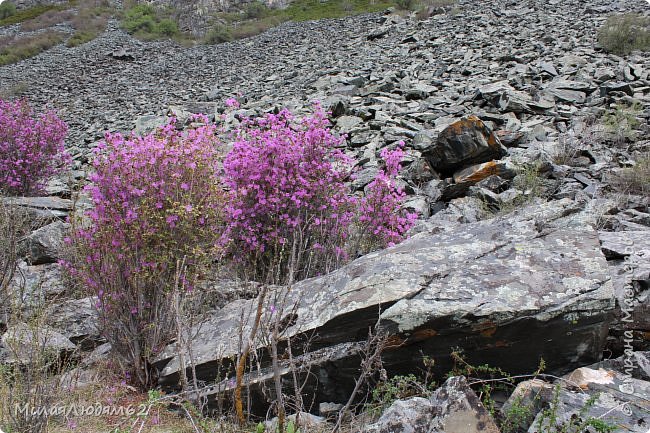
[{"x": 506, "y": 292}]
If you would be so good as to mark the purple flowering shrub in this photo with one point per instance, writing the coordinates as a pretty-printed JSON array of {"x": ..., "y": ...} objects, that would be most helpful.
[
  {"x": 290, "y": 214},
  {"x": 288, "y": 206},
  {"x": 276, "y": 209},
  {"x": 31, "y": 148},
  {"x": 380, "y": 219},
  {"x": 157, "y": 206}
]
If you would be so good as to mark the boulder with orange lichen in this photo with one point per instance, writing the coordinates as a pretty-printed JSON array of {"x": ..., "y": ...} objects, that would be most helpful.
[{"x": 464, "y": 142}]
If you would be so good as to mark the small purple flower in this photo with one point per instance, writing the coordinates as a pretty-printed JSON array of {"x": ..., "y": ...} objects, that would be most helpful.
[{"x": 232, "y": 102}]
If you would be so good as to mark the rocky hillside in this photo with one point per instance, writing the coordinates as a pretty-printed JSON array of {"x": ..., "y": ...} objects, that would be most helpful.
[{"x": 528, "y": 161}]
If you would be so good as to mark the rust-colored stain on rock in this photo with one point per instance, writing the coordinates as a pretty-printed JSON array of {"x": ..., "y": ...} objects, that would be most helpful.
[
  {"x": 422, "y": 334},
  {"x": 476, "y": 174},
  {"x": 487, "y": 333}
]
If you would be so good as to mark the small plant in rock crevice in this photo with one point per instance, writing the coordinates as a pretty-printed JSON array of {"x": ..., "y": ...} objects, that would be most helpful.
[
  {"x": 580, "y": 422},
  {"x": 523, "y": 415},
  {"x": 621, "y": 122},
  {"x": 636, "y": 179}
]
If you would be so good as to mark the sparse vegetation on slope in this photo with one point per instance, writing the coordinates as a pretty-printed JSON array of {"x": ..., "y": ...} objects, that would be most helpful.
[
  {"x": 89, "y": 22},
  {"x": 622, "y": 34},
  {"x": 88, "y": 19},
  {"x": 16, "y": 48},
  {"x": 257, "y": 17},
  {"x": 636, "y": 179},
  {"x": 147, "y": 22},
  {"x": 23, "y": 15},
  {"x": 7, "y": 9}
]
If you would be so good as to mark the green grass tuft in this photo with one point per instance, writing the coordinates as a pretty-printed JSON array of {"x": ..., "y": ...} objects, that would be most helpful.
[
  {"x": 15, "y": 49},
  {"x": 622, "y": 34},
  {"x": 28, "y": 14},
  {"x": 7, "y": 9}
]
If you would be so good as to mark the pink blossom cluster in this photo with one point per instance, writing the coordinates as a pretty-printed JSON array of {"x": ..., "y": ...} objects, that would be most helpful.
[
  {"x": 157, "y": 200},
  {"x": 167, "y": 204},
  {"x": 379, "y": 208},
  {"x": 31, "y": 149},
  {"x": 286, "y": 185},
  {"x": 288, "y": 196}
]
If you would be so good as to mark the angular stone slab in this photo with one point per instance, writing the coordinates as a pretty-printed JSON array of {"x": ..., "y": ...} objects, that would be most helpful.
[
  {"x": 476, "y": 173},
  {"x": 453, "y": 408},
  {"x": 464, "y": 142},
  {"x": 621, "y": 401},
  {"x": 507, "y": 292},
  {"x": 42, "y": 210},
  {"x": 45, "y": 244},
  {"x": 24, "y": 342},
  {"x": 78, "y": 320}
]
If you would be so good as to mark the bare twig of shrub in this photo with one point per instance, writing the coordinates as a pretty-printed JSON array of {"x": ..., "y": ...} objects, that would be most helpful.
[
  {"x": 14, "y": 224},
  {"x": 241, "y": 362},
  {"x": 571, "y": 144},
  {"x": 370, "y": 364},
  {"x": 30, "y": 379}
]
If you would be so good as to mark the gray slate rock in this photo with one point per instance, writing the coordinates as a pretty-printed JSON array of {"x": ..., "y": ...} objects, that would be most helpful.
[
  {"x": 467, "y": 141},
  {"x": 628, "y": 254},
  {"x": 25, "y": 341},
  {"x": 453, "y": 408},
  {"x": 639, "y": 361},
  {"x": 413, "y": 415},
  {"x": 38, "y": 284},
  {"x": 42, "y": 210},
  {"x": 513, "y": 290},
  {"x": 44, "y": 245},
  {"x": 78, "y": 320}
]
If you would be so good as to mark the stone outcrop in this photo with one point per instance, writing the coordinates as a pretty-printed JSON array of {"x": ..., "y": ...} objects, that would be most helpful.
[
  {"x": 507, "y": 292},
  {"x": 628, "y": 257},
  {"x": 465, "y": 142},
  {"x": 605, "y": 395},
  {"x": 453, "y": 408},
  {"x": 26, "y": 343},
  {"x": 45, "y": 244}
]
